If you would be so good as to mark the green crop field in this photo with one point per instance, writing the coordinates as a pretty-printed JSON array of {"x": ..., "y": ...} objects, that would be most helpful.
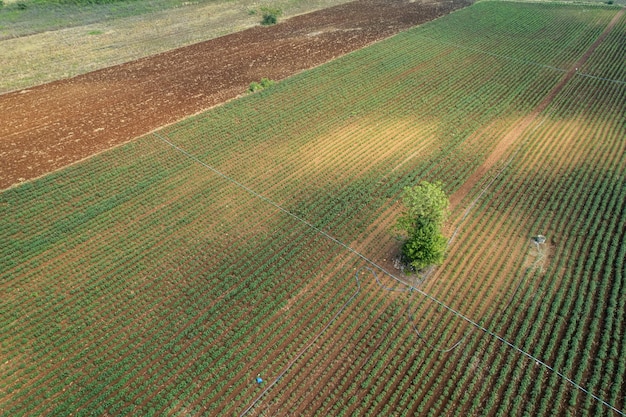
[{"x": 163, "y": 276}]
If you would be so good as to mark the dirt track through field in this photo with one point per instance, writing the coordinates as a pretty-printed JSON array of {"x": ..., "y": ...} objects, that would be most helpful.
[
  {"x": 518, "y": 129},
  {"x": 53, "y": 125}
]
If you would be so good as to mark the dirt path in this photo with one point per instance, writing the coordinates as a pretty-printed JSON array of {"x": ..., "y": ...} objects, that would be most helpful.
[
  {"x": 53, "y": 125},
  {"x": 508, "y": 140}
]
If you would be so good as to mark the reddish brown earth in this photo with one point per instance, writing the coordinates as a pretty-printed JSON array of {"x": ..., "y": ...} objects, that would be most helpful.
[{"x": 53, "y": 125}]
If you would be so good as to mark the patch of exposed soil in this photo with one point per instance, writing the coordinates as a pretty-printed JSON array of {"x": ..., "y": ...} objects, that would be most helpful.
[{"x": 53, "y": 125}]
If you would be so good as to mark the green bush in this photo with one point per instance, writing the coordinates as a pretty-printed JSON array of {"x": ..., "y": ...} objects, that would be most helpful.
[
  {"x": 270, "y": 15},
  {"x": 254, "y": 86},
  {"x": 265, "y": 83}
]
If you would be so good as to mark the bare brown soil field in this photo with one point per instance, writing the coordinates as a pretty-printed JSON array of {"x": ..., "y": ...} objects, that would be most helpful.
[{"x": 53, "y": 125}]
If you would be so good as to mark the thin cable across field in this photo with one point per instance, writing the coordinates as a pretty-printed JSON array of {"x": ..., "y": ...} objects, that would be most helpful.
[
  {"x": 595, "y": 77},
  {"x": 384, "y": 271}
]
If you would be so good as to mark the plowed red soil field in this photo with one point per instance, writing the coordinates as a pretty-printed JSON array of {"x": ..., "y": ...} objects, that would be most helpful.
[{"x": 53, "y": 125}]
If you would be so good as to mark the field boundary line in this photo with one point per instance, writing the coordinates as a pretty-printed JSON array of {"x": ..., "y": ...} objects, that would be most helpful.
[{"x": 384, "y": 271}]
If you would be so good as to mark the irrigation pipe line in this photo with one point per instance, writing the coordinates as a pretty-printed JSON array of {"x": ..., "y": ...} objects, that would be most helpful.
[
  {"x": 384, "y": 271},
  {"x": 595, "y": 77}
]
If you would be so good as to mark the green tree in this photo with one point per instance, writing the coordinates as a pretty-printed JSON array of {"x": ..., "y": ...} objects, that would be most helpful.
[{"x": 426, "y": 210}]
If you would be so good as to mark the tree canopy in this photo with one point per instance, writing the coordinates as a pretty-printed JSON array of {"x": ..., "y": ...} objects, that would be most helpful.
[{"x": 426, "y": 209}]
